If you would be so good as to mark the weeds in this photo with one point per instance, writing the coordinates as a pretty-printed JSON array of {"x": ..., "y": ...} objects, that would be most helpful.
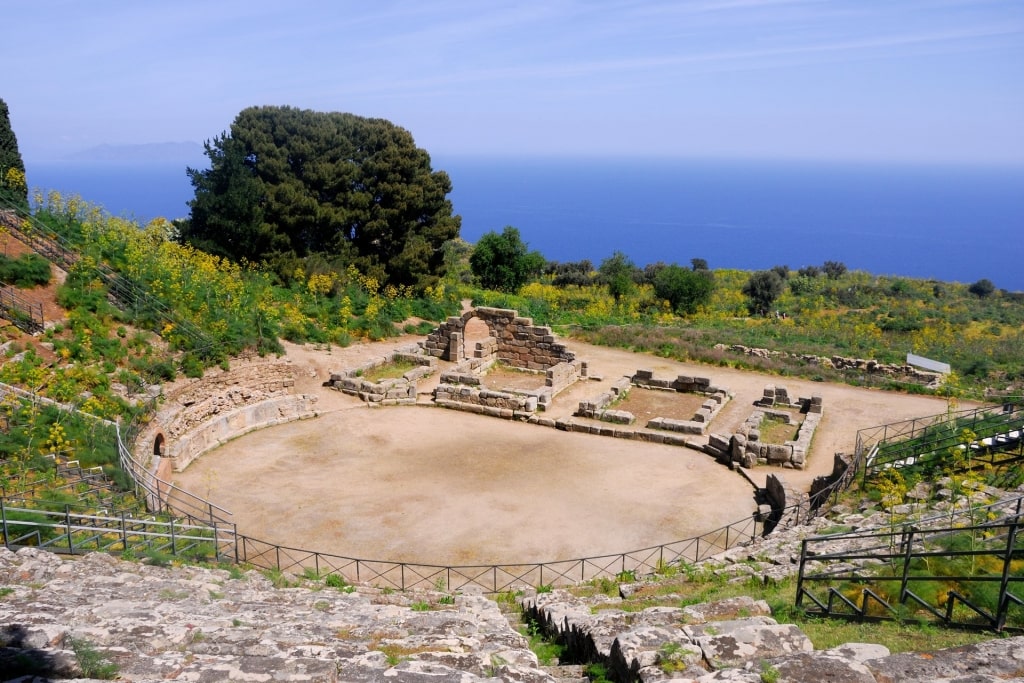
[{"x": 90, "y": 661}]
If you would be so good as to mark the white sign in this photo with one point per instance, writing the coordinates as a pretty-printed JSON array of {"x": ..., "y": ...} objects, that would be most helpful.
[{"x": 928, "y": 364}]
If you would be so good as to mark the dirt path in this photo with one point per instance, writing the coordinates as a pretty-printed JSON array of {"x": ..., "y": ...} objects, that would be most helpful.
[{"x": 424, "y": 484}]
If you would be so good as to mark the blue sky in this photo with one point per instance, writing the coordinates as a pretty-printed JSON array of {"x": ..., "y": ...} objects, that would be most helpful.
[{"x": 930, "y": 81}]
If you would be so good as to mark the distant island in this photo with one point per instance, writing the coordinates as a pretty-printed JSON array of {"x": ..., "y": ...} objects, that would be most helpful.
[{"x": 184, "y": 152}]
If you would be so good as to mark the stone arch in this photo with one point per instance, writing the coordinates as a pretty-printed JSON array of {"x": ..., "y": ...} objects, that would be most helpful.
[
  {"x": 159, "y": 443},
  {"x": 476, "y": 330}
]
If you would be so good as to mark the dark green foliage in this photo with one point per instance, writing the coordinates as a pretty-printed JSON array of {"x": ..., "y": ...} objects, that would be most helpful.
[
  {"x": 684, "y": 289},
  {"x": 982, "y": 288},
  {"x": 781, "y": 271},
  {"x": 834, "y": 269},
  {"x": 651, "y": 271},
  {"x": 27, "y": 270},
  {"x": 192, "y": 365},
  {"x": 12, "y": 168},
  {"x": 619, "y": 274},
  {"x": 159, "y": 370},
  {"x": 763, "y": 288},
  {"x": 287, "y": 184},
  {"x": 579, "y": 273},
  {"x": 503, "y": 262}
]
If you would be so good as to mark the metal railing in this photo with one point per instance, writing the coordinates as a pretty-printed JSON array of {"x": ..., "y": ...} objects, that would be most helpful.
[
  {"x": 944, "y": 568},
  {"x": 927, "y": 441},
  {"x": 23, "y": 313},
  {"x": 73, "y": 530},
  {"x": 126, "y": 293},
  {"x": 162, "y": 496},
  {"x": 497, "y": 578}
]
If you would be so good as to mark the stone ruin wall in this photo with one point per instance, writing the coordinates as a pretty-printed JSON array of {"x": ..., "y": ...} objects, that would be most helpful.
[
  {"x": 392, "y": 391},
  {"x": 511, "y": 339},
  {"x": 517, "y": 341},
  {"x": 207, "y": 412},
  {"x": 597, "y": 409},
  {"x": 902, "y": 372},
  {"x": 501, "y": 404},
  {"x": 745, "y": 448},
  {"x": 701, "y": 386}
]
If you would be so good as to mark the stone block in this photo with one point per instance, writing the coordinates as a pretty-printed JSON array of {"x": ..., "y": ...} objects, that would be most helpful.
[
  {"x": 718, "y": 441},
  {"x": 778, "y": 453}
]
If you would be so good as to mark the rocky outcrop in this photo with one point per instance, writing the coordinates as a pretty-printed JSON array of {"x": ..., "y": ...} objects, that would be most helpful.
[
  {"x": 196, "y": 624},
  {"x": 737, "y": 640}
]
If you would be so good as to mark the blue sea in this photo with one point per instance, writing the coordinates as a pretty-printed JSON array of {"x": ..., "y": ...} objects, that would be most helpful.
[{"x": 948, "y": 223}]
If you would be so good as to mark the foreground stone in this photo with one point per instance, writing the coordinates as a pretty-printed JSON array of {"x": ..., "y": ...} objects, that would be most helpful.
[
  {"x": 195, "y": 624},
  {"x": 198, "y": 624},
  {"x": 736, "y": 640}
]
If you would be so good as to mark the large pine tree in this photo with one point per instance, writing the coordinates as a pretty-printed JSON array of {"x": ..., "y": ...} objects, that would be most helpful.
[
  {"x": 12, "y": 169},
  {"x": 286, "y": 184}
]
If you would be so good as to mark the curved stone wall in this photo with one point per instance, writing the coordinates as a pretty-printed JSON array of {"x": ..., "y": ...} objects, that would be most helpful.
[{"x": 205, "y": 413}]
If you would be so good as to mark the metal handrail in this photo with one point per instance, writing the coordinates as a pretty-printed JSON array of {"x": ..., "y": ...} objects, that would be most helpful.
[{"x": 902, "y": 546}]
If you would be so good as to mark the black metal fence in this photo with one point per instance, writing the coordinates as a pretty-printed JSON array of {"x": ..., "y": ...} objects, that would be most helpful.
[
  {"x": 950, "y": 569},
  {"x": 497, "y": 578},
  {"x": 23, "y": 313},
  {"x": 927, "y": 442}
]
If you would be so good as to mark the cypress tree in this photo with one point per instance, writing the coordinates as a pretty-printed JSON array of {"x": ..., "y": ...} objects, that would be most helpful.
[{"x": 12, "y": 168}]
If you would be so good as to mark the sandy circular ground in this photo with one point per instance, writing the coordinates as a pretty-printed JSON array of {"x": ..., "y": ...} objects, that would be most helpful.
[
  {"x": 429, "y": 485},
  {"x": 437, "y": 486}
]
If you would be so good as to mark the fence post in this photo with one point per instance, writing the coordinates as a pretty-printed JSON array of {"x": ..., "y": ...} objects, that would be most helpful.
[
  {"x": 3, "y": 517},
  {"x": 124, "y": 532},
  {"x": 67, "y": 523},
  {"x": 908, "y": 539},
  {"x": 1004, "y": 603}
]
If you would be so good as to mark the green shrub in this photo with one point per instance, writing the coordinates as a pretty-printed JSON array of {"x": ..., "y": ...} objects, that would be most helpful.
[{"x": 27, "y": 270}]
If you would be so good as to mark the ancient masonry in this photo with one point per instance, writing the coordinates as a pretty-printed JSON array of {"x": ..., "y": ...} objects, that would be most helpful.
[
  {"x": 392, "y": 391},
  {"x": 485, "y": 336},
  {"x": 904, "y": 372},
  {"x": 701, "y": 386},
  {"x": 745, "y": 448},
  {"x": 225, "y": 404}
]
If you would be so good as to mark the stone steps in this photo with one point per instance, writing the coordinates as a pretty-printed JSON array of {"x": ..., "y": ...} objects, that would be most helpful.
[{"x": 197, "y": 624}]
